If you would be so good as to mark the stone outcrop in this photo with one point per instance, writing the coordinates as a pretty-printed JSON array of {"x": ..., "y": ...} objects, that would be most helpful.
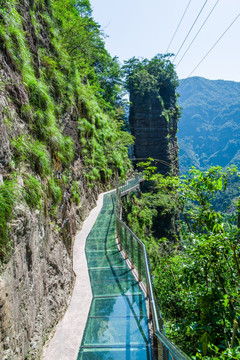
[
  {"x": 155, "y": 135},
  {"x": 36, "y": 284},
  {"x": 153, "y": 123},
  {"x": 36, "y": 277}
]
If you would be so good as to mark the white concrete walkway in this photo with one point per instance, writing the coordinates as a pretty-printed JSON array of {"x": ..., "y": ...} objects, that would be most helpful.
[{"x": 69, "y": 332}]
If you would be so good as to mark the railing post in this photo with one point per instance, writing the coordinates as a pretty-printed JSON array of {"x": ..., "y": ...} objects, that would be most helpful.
[
  {"x": 119, "y": 240},
  {"x": 125, "y": 249},
  {"x": 139, "y": 262},
  {"x": 132, "y": 253},
  {"x": 117, "y": 228},
  {"x": 160, "y": 351},
  {"x": 149, "y": 304}
]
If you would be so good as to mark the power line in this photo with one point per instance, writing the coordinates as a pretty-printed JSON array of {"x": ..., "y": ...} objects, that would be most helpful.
[
  {"x": 210, "y": 50},
  {"x": 178, "y": 26},
  {"x": 197, "y": 33},
  {"x": 215, "y": 44},
  {"x": 190, "y": 29}
]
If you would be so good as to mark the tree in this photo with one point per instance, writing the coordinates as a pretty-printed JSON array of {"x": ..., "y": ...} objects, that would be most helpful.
[
  {"x": 155, "y": 75},
  {"x": 197, "y": 280}
]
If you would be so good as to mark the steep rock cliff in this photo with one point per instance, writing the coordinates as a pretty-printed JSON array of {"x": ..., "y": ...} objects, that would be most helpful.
[
  {"x": 153, "y": 111},
  {"x": 155, "y": 135},
  {"x": 153, "y": 122},
  {"x": 60, "y": 145}
]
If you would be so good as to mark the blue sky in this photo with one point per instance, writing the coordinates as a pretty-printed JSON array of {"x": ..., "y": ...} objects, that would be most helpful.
[{"x": 143, "y": 28}]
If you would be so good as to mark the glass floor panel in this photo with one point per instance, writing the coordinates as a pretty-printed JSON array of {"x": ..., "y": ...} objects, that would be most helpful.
[
  {"x": 99, "y": 233},
  {"x": 141, "y": 353},
  {"x": 97, "y": 228},
  {"x": 115, "y": 288},
  {"x": 101, "y": 238},
  {"x": 102, "y": 221},
  {"x": 117, "y": 325},
  {"x": 101, "y": 245},
  {"x": 113, "y": 331},
  {"x": 112, "y": 274},
  {"x": 97, "y": 259},
  {"x": 132, "y": 305}
]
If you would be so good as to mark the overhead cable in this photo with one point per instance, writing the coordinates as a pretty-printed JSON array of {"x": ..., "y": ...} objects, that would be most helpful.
[
  {"x": 178, "y": 26},
  {"x": 190, "y": 29},
  {"x": 197, "y": 33},
  {"x": 215, "y": 44}
]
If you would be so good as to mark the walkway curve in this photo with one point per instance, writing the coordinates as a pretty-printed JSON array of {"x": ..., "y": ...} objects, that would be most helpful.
[{"x": 69, "y": 331}]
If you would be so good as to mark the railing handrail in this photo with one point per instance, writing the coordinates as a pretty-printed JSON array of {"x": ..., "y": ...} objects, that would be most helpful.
[
  {"x": 173, "y": 349},
  {"x": 147, "y": 271}
]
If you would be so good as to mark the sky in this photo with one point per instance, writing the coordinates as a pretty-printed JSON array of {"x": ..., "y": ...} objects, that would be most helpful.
[{"x": 144, "y": 28}]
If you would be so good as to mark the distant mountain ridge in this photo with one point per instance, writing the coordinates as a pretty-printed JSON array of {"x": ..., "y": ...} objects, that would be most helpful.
[{"x": 209, "y": 128}]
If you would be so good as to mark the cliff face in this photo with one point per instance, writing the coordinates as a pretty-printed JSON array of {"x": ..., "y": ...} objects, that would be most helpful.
[
  {"x": 34, "y": 286},
  {"x": 153, "y": 122},
  {"x": 155, "y": 135},
  {"x": 36, "y": 281},
  {"x": 60, "y": 145},
  {"x": 153, "y": 111}
]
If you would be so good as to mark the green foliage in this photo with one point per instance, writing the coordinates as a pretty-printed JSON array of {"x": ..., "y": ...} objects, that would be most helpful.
[
  {"x": 69, "y": 75},
  {"x": 104, "y": 146},
  {"x": 140, "y": 216},
  {"x": 9, "y": 194},
  {"x": 81, "y": 38},
  {"x": 78, "y": 54},
  {"x": 33, "y": 191},
  {"x": 75, "y": 192},
  {"x": 156, "y": 76},
  {"x": 197, "y": 278},
  {"x": 34, "y": 152},
  {"x": 54, "y": 191},
  {"x": 41, "y": 102}
]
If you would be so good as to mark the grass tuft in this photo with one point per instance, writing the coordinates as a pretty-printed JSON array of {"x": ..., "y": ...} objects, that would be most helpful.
[
  {"x": 32, "y": 191},
  {"x": 9, "y": 194}
]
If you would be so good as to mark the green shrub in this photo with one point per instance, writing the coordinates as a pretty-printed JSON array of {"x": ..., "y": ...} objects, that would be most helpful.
[
  {"x": 38, "y": 93},
  {"x": 41, "y": 158},
  {"x": 65, "y": 149},
  {"x": 9, "y": 194},
  {"x": 75, "y": 192},
  {"x": 34, "y": 152},
  {"x": 33, "y": 191},
  {"x": 54, "y": 191}
]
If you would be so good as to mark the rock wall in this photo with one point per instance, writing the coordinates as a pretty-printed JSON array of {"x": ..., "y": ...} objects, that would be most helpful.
[
  {"x": 36, "y": 282},
  {"x": 154, "y": 132},
  {"x": 36, "y": 276},
  {"x": 153, "y": 122}
]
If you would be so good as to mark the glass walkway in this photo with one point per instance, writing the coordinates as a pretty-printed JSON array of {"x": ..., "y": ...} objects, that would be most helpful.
[{"x": 117, "y": 326}]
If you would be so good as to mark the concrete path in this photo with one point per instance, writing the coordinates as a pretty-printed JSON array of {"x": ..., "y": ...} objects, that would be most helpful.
[{"x": 69, "y": 331}]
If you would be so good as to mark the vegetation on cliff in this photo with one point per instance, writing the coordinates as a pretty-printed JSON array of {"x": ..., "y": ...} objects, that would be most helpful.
[
  {"x": 196, "y": 276},
  {"x": 154, "y": 112},
  {"x": 57, "y": 78}
]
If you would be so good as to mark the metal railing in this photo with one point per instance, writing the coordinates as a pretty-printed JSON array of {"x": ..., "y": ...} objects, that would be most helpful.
[{"x": 135, "y": 252}]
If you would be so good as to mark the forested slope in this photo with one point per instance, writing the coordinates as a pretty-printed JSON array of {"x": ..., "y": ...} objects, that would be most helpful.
[
  {"x": 60, "y": 144},
  {"x": 209, "y": 128}
]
